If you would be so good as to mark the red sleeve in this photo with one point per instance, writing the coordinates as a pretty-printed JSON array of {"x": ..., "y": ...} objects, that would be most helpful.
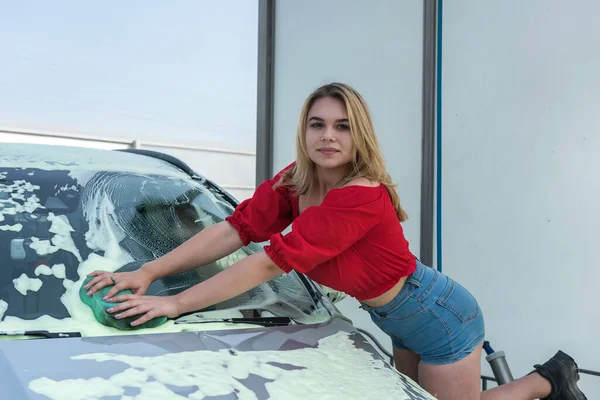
[
  {"x": 321, "y": 233},
  {"x": 267, "y": 212}
]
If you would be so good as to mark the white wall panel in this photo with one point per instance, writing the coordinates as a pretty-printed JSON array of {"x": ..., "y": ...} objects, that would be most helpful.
[{"x": 520, "y": 173}]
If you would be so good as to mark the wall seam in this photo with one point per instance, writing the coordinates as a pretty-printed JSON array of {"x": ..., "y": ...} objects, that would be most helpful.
[
  {"x": 428, "y": 132},
  {"x": 265, "y": 86}
]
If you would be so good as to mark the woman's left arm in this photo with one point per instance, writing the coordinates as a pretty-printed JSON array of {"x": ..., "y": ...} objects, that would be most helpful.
[{"x": 238, "y": 278}]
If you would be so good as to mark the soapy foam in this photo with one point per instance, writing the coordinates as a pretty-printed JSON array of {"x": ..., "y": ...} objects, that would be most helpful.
[
  {"x": 100, "y": 216},
  {"x": 31, "y": 204},
  {"x": 58, "y": 270},
  {"x": 3, "y": 308},
  {"x": 17, "y": 196},
  {"x": 14, "y": 228},
  {"x": 61, "y": 240},
  {"x": 102, "y": 234},
  {"x": 18, "y": 201},
  {"x": 42, "y": 247},
  {"x": 81, "y": 316},
  {"x": 335, "y": 369},
  {"x": 62, "y": 234},
  {"x": 24, "y": 283},
  {"x": 8, "y": 210},
  {"x": 43, "y": 270}
]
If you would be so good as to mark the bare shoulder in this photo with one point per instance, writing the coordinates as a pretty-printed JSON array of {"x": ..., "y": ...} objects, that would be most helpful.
[{"x": 362, "y": 182}]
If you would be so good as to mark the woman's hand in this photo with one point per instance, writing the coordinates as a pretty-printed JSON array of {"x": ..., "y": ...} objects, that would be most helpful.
[
  {"x": 150, "y": 306},
  {"x": 137, "y": 281}
]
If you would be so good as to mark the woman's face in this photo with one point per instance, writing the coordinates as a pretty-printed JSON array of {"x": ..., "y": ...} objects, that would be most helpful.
[{"x": 328, "y": 138}]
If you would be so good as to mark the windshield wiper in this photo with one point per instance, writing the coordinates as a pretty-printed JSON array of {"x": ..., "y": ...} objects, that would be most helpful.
[
  {"x": 43, "y": 334},
  {"x": 264, "y": 321}
]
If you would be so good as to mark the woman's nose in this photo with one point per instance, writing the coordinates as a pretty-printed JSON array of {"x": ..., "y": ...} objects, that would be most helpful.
[{"x": 328, "y": 134}]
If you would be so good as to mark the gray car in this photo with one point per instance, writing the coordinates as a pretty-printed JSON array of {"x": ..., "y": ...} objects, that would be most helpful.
[{"x": 65, "y": 212}]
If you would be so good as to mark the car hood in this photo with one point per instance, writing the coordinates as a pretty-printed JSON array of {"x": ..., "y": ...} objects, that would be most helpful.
[{"x": 292, "y": 362}]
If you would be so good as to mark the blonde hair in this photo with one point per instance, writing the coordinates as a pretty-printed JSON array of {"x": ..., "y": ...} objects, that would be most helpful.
[{"x": 367, "y": 161}]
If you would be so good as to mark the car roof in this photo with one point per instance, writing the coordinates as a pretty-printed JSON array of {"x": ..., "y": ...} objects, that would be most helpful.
[{"x": 59, "y": 157}]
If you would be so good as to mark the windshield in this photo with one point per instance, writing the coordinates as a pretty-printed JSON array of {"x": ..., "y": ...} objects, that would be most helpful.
[{"x": 57, "y": 225}]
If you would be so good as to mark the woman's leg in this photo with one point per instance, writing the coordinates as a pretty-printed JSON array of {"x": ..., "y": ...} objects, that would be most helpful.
[
  {"x": 526, "y": 388},
  {"x": 407, "y": 363},
  {"x": 461, "y": 380}
]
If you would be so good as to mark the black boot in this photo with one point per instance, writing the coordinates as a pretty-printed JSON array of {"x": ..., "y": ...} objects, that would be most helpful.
[{"x": 562, "y": 373}]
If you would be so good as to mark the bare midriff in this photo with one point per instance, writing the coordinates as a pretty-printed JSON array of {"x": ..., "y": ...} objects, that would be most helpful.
[{"x": 387, "y": 297}]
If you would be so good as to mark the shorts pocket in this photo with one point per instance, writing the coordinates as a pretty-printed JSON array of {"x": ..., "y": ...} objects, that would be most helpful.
[
  {"x": 459, "y": 301},
  {"x": 407, "y": 309}
]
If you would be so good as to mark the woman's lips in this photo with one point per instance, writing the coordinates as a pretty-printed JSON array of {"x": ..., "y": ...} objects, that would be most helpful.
[{"x": 328, "y": 152}]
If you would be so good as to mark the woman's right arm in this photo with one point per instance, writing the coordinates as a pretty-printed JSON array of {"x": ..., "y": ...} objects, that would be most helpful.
[{"x": 207, "y": 246}]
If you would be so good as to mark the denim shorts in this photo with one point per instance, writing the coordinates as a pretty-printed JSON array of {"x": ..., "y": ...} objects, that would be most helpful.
[{"x": 433, "y": 316}]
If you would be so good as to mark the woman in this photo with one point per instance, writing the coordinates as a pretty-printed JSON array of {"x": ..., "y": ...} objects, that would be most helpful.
[{"x": 346, "y": 235}]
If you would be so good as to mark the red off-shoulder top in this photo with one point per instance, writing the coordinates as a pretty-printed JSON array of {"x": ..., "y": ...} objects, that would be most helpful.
[{"x": 353, "y": 242}]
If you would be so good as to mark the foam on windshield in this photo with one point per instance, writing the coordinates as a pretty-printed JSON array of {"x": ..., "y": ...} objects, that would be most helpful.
[
  {"x": 103, "y": 236},
  {"x": 16, "y": 198},
  {"x": 3, "y": 308},
  {"x": 62, "y": 234},
  {"x": 23, "y": 284},
  {"x": 13, "y": 228},
  {"x": 119, "y": 217},
  {"x": 58, "y": 270}
]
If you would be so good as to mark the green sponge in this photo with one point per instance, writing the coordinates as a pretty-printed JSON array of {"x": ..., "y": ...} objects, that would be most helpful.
[{"x": 100, "y": 306}]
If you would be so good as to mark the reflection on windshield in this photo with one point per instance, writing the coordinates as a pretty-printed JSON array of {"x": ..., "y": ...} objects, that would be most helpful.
[{"x": 58, "y": 225}]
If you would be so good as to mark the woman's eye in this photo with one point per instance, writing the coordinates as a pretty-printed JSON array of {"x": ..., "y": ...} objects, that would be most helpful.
[
  {"x": 343, "y": 127},
  {"x": 316, "y": 125}
]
